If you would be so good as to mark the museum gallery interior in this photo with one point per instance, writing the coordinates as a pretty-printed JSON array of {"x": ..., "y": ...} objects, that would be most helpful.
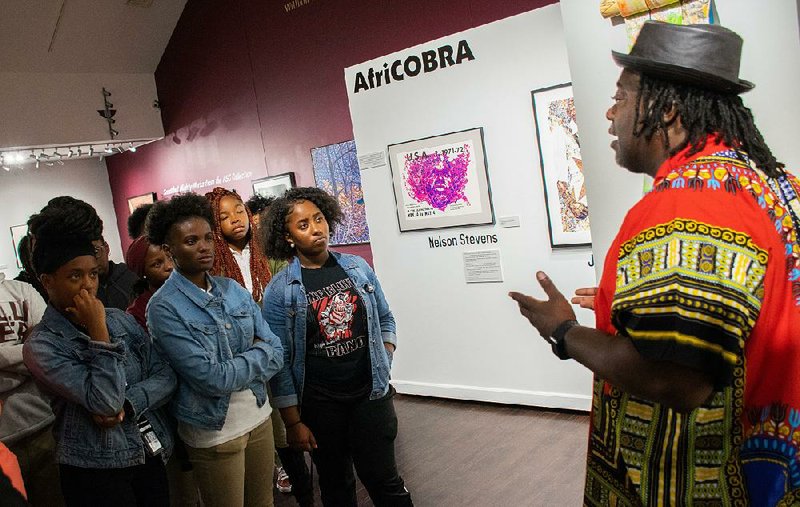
[{"x": 121, "y": 103}]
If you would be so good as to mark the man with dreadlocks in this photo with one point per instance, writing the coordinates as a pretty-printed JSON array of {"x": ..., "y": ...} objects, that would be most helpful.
[
  {"x": 237, "y": 254},
  {"x": 696, "y": 357}
]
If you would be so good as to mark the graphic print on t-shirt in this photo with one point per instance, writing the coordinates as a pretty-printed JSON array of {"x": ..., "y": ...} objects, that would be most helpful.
[
  {"x": 335, "y": 307},
  {"x": 14, "y": 319}
]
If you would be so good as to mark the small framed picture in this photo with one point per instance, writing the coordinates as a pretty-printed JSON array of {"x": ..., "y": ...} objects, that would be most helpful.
[
  {"x": 441, "y": 181},
  {"x": 273, "y": 186},
  {"x": 137, "y": 200},
  {"x": 17, "y": 233}
]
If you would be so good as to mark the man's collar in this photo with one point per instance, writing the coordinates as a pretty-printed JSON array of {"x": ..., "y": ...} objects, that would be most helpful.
[{"x": 682, "y": 157}]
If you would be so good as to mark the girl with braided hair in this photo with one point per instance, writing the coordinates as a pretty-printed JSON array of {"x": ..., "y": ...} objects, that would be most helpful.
[
  {"x": 234, "y": 227},
  {"x": 233, "y": 238}
]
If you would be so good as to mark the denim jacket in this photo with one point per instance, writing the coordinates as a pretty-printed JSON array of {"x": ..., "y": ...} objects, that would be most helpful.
[
  {"x": 285, "y": 310},
  {"x": 88, "y": 377},
  {"x": 208, "y": 339}
]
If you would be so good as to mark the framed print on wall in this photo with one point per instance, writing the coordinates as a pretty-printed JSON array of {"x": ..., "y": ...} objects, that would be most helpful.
[
  {"x": 17, "y": 233},
  {"x": 273, "y": 186},
  {"x": 336, "y": 171},
  {"x": 137, "y": 200},
  {"x": 441, "y": 181},
  {"x": 562, "y": 166}
]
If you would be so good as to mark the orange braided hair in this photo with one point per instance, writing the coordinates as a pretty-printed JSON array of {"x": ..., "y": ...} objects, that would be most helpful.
[{"x": 224, "y": 263}]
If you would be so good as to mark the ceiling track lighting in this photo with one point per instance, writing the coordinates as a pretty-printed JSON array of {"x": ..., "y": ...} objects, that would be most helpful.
[{"x": 18, "y": 158}]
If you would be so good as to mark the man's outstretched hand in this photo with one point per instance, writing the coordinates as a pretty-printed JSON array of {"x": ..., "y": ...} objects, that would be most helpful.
[{"x": 544, "y": 315}]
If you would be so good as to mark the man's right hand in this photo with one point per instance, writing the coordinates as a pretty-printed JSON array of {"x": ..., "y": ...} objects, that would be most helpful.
[{"x": 584, "y": 297}]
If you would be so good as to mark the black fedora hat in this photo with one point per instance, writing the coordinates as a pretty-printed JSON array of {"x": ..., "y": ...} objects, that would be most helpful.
[{"x": 706, "y": 56}]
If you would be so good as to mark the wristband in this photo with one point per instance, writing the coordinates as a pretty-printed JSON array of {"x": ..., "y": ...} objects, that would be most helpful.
[{"x": 557, "y": 339}]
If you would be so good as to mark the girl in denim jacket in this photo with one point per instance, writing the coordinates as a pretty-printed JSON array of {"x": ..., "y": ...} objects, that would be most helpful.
[
  {"x": 238, "y": 255},
  {"x": 107, "y": 381},
  {"x": 338, "y": 336},
  {"x": 211, "y": 331}
]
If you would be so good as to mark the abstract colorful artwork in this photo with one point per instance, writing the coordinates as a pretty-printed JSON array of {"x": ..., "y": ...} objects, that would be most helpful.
[
  {"x": 678, "y": 12},
  {"x": 336, "y": 171},
  {"x": 441, "y": 181},
  {"x": 562, "y": 166}
]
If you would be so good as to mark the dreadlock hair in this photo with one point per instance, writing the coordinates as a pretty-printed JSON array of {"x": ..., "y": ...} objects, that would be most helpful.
[
  {"x": 259, "y": 203},
  {"x": 137, "y": 220},
  {"x": 224, "y": 263},
  {"x": 274, "y": 230},
  {"x": 702, "y": 112},
  {"x": 165, "y": 214}
]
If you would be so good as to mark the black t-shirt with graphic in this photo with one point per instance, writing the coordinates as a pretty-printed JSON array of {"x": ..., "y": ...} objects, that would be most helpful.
[{"x": 337, "y": 357}]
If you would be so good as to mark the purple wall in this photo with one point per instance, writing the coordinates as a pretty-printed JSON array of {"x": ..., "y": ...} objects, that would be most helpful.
[{"x": 248, "y": 86}]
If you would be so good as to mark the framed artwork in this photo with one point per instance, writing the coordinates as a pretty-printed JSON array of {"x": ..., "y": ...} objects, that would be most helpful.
[
  {"x": 137, "y": 200},
  {"x": 441, "y": 181},
  {"x": 562, "y": 166},
  {"x": 336, "y": 171},
  {"x": 17, "y": 233},
  {"x": 273, "y": 186}
]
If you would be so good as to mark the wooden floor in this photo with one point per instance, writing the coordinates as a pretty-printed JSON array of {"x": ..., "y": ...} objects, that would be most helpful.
[{"x": 455, "y": 453}]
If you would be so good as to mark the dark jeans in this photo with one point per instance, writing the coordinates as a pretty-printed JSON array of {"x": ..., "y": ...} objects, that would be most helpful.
[
  {"x": 136, "y": 486},
  {"x": 360, "y": 433}
]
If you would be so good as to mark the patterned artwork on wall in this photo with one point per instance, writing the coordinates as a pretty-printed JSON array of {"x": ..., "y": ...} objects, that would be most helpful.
[
  {"x": 441, "y": 181},
  {"x": 336, "y": 171},
  {"x": 562, "y": 166}
]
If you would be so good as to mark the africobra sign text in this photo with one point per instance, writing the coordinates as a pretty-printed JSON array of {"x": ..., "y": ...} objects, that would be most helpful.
[{"x": 414, "y": 65}]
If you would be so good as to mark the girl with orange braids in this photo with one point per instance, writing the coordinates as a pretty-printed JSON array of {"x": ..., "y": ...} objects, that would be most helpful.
[{"x": 237, "y": 254}]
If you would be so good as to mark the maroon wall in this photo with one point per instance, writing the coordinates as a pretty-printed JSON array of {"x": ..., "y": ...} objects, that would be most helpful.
[{"x": 251, "y": 86}]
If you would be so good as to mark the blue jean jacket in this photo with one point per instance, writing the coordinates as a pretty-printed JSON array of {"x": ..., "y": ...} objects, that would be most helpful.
[
  {"x": 285, "y": 308},
  {"x": 88, "y": 377},
  {"x": 208, "y": 339}
]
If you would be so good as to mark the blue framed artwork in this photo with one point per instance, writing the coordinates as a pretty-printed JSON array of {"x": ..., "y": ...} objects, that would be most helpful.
[{"x": 336, "y": 171}]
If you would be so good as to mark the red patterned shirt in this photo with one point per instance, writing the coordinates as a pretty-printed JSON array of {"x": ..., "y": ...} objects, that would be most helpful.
[{"x": 705, "y": 272}]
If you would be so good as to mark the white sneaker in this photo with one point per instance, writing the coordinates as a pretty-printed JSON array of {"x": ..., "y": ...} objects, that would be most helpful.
[{"x": 283, "y": 484}]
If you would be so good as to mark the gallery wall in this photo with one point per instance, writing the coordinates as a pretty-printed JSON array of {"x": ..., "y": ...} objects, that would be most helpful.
[
  {"x": 771, "y": 59},
  {"x": 24, "y": 192},
  {"x": 248, "y": 88},
  {"x": 457, "y": 339}
]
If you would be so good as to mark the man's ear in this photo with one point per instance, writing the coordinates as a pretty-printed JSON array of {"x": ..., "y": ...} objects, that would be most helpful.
[{"x": 670, "y": 115}]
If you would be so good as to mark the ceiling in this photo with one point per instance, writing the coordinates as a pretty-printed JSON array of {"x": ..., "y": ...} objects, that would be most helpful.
[{"x": 91, "y": 36}]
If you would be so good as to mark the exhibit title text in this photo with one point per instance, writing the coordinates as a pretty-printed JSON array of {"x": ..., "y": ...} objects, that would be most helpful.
[
  {"x": 462, "y": 240},
  {"x": 427, "y": 61}
]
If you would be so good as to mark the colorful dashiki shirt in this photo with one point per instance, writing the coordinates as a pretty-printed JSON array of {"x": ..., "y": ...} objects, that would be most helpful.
[{"x": 705, "y": 272}]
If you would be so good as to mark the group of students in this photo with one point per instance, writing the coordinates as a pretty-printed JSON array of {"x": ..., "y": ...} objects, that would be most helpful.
[{"x": 175, "y": 397}]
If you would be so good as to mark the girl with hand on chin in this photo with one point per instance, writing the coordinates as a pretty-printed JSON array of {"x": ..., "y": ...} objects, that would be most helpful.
[
  {"x": 338, "y": 335},
  {"x": 211, "y": 331},
  {"x": 108, "y": 382}
]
